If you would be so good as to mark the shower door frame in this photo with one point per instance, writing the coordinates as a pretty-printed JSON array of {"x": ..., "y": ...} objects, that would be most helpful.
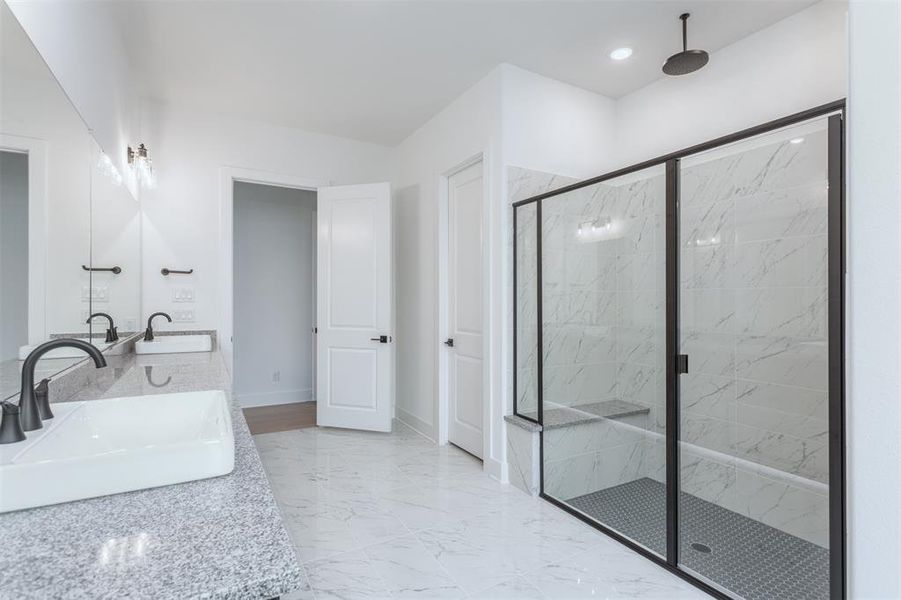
[{"x": 836, "y": 265}]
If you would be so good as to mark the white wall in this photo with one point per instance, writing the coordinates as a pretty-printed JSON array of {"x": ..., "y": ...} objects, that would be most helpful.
[
  {"x": 874, "y": 289},
  {"x": 274, "y": 290},
  {"x": 469, "y": 126},
  {"x": 511, "y": 116},
  {"x": 796, "y": 64},
  {"x": 555, "y": 127},
  {"x": 181, "y": 220},
  {"x": 86, "y": 52}
]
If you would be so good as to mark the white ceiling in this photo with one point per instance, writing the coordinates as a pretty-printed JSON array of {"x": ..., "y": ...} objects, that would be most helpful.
[{"x": 377, "y": 70}]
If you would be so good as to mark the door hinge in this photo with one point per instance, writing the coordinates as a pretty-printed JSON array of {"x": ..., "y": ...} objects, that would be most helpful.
[{"x": 681, "y": 364}]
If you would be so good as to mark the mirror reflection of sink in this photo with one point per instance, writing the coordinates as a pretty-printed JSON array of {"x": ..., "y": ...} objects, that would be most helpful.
[
  {"x": 64, "y": 352},
  {"x": 103, "y": 447},
  {"x": 170, "y": 344}
]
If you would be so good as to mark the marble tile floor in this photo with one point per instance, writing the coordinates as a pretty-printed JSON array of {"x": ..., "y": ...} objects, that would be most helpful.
[{"x": 394, "y": 516}]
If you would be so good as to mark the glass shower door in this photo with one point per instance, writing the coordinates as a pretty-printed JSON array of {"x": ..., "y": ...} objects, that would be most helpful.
[
  {"x": 603, "y": 324},
  {"x": 754, "y": 403}
]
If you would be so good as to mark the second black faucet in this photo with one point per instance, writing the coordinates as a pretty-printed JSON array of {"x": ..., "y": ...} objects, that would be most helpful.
[
  {"x": 148, "y": 333},
  {"x": 111, "y": 334}
]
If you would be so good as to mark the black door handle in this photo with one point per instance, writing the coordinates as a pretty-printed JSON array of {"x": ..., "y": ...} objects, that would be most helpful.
[
  {"x": 382, "y": 339},
  {"x": 449, "y": 343},
  {"x": 681, "y": 364}
]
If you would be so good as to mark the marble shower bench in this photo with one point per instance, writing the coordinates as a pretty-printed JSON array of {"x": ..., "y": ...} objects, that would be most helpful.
[{"x": 523, "y": 436}]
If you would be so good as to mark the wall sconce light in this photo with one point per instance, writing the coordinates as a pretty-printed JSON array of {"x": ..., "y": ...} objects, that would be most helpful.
[{"x": 139, "y": 160}]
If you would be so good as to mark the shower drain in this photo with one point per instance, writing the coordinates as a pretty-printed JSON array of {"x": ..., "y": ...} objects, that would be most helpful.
[{"x": 701, "y": 547}]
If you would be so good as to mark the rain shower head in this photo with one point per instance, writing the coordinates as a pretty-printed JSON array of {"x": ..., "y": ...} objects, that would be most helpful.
[{"x": 687, "y": 61}]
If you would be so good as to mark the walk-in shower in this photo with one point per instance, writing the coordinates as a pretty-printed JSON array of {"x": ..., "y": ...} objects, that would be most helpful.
[{"x": 679, "y": 339}]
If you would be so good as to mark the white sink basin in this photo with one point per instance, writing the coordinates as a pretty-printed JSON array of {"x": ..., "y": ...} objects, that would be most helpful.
[
  {"x": 64, "y": 352},
  {"x": 167, "y": 344},
  {"x": 103, "y": 447}
]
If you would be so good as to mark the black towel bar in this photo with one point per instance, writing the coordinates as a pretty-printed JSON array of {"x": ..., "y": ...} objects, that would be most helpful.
[
  {"x": 115, "y": 270},
  {"x": 166, "y": 271}
]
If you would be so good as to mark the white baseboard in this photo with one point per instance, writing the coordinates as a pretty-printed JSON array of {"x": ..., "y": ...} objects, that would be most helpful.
[
  {"x": 415, "y": 423},
  {"x": 273, "y": 398},
  {"x": 496, "y": 469}
]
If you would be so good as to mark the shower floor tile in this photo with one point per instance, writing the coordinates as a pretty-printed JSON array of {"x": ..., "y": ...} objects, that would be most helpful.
[{"x": 753, "y": 560}]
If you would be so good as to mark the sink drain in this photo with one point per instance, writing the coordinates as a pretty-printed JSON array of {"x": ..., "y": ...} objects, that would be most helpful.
[{"x": 701, "y": 547}]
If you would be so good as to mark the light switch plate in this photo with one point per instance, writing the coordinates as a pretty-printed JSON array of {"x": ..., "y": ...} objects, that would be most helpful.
[
  {"x": 95, "y": 294},
  {"x": 183, "y": 316},
  {"x": 183, "y": 294}
]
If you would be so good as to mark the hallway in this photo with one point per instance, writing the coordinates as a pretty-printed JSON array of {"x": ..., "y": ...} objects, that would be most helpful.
[{"x": 392, "y": 515}]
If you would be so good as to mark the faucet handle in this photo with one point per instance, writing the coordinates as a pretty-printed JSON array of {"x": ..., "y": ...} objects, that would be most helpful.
[
  {"x": 42, "y": 395},
  {"x": 10, "y": 426}
]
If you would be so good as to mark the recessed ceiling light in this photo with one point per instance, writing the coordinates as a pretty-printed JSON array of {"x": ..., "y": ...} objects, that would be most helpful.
[
  {"x": 621, "y": 53},
  {"x": 796, "y": 140}
]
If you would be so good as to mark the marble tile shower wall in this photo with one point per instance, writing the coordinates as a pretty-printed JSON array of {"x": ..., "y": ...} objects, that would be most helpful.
[{"x": 602, "y": 267}]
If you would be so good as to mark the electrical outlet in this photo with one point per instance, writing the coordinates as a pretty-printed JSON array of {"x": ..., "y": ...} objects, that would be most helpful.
[
  {"x": 276, "y": 376},
  {"x": 131, "y": 324}
]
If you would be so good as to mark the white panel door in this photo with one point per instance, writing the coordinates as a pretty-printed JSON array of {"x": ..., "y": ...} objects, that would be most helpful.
[
  {"x": 465, "y": 309},
  {"x": 353, "y": 375}
]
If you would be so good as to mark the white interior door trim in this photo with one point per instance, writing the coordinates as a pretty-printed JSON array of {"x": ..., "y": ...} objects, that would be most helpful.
[
  {"x": 227, "y": 178},
  {"x": 36, "y": 150},
  {"x": 443, "y": 320}
]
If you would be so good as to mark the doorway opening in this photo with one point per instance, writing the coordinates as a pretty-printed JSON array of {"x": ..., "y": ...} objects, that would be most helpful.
[
  {"x": 464, "y": 373},
  {"x": 274, "y": 296},
  {"x": 14, "y": 259}
]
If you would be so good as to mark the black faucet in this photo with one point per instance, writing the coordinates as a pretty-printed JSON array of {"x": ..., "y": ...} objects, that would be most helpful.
[
  {"x": 31, "y": 411},
  {"x": 111, "y": 334},
  {"x": 148, "y": 333}
]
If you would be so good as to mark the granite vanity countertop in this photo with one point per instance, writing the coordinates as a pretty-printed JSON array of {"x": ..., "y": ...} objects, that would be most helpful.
[{"x": 219, "y": 538}]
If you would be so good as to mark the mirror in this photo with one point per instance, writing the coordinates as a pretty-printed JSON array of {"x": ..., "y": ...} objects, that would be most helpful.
[
  {"x": 52, "y": 175},
  {"x": 115, "y": 251}
]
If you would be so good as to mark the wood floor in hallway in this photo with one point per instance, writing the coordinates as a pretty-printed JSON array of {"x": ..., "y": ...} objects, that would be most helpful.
[{"x": 280, "y": 417}]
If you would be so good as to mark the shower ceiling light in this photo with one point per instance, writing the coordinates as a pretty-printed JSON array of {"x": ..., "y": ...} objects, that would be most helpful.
[
  {"x": 796, "y": 140},
  {"x": 621, "y": 53}
]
